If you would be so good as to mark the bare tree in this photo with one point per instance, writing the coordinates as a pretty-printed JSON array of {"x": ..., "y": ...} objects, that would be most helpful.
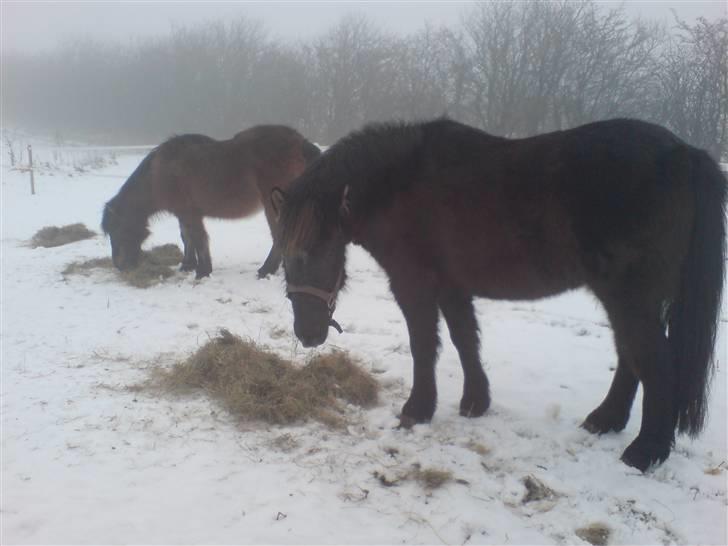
[
  {"x": 612, "y": 71},
  {"x": 424, "y": 73},
  {"x": 348, "y": 62},
  {"x": 512, "y": 68},
  {"x": 694, "y": 84},
  {"x": 540, "y": 66}
]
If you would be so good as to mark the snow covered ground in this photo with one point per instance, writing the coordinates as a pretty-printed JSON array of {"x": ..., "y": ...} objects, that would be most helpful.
[{"x": 86, "y": 461}]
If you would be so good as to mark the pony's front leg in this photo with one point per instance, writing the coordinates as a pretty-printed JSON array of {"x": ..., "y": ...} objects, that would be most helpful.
[
  {"x": 457, "y": 308},
  {"x": 419, "y": 307},
  {"x": 195, "y": 229},
  {"x": 272, "y": 262},
  {"x": 640, "y": 335},
  {"x": 613, "y": 413}
]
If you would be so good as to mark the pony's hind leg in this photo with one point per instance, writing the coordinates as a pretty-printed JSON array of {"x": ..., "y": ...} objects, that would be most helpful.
[
  {"x": 613, "y": 413},
  {"x": 457, "y": 308},
  {"x": 639, "y": 332},
  {"x": 189, "y": 261},
  {"x": 195, "y": 230}
]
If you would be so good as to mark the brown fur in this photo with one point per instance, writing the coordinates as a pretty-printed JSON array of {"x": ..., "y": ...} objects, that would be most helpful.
[
  {"x": 195, "y": 176},
  {"x": 621, "y": 207}
]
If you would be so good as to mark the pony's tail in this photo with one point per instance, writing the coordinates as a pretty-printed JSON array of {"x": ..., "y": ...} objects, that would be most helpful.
[
  {"x": 694, "y": 314},
  {"x": 310, "y": 151}
]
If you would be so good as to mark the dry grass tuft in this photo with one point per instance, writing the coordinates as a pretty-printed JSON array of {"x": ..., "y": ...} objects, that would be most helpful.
[
  {"x": 716, "y": 470},
  {"x": 431, "y": 478},
  {"x": 154, "y": 266},
  {"x": 477, "y": 447},
  {"x": 594, "y": 533},
  {"x": 536, "y": 490},
  {"x": 169, "y": 255},
  {"x": 51, "y": 236},
  {"x": 428, "y": 478},
  {"x": 256, "y": 384},
  {"x": 84, "y": 268}
]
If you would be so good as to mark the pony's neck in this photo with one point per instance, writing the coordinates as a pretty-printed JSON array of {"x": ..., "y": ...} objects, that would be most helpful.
[{"x": 135, "y": 199}]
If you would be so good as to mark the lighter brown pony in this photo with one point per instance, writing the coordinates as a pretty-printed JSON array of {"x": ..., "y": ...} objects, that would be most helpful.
[{"x": 194, "y": 176}]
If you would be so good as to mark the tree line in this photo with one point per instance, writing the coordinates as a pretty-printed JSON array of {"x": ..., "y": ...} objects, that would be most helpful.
[{"x": 513, "y": 69}]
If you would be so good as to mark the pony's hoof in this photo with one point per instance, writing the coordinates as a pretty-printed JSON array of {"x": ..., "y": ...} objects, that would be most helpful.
[
  {"x": 593, "y": 428},
  {"x": 263, "y": 273},
  {"x": 474, "y": 407},
  {"x": 476, "y": 397},
  {"x": 406, "y": 422},
  {"x": 600, "y": 422},
  {"x": 414, "y": 413},
  {"x": 187, "y": 267},
  {"x": 642, "y": 454},
  {"x": 202, "y": 274}
]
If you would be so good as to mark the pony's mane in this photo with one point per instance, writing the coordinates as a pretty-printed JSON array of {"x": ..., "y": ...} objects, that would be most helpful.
[
  {"x": 366, "y": 161},
  {"x": 106, "y": 217}
]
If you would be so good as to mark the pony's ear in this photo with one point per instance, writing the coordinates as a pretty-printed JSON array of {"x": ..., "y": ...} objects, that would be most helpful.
[
  {"x": 277, "y": 199},
  {"x": 345, "y": 208}
]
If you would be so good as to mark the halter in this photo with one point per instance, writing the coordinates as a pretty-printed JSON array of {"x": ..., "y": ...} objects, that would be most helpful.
[{"x": 329, "y": 297}]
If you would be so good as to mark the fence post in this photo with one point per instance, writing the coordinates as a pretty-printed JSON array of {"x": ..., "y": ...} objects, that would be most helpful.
[{"x": 30, "y": 167}]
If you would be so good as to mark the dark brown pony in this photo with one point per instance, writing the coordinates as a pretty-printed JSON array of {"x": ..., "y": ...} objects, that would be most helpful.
[
  {"x": 193, "y": 176},
  {"x": 622, "y": 207}
]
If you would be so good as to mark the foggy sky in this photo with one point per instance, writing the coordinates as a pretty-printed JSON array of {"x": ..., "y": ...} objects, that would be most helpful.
[{"x": 36, "y": 26}]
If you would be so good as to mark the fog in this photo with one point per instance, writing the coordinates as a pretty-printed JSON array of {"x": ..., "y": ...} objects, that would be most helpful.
[
  {"x": 133, "y": 72},
  {"x": 41, "y": 25}
]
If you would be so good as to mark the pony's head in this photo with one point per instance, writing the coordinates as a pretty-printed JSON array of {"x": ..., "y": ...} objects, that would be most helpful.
[
  {"x": 313, "y": 245},
  {"x": 126, "y": 237}
]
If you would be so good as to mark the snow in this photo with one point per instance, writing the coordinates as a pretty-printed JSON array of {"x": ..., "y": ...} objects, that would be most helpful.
[{"x": 87, "y": 461}]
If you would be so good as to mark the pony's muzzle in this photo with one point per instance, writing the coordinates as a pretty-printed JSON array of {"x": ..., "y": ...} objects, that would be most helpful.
[
  {"x": 312, "y": 341},
  {"x": 120, "y": 263}
]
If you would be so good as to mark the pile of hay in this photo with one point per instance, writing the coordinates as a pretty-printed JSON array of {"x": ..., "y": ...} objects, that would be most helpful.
[
  {"x": 51, "y": 236},
  {"x": 255, "y": 384},
  {"x": 155, "y": 265}
]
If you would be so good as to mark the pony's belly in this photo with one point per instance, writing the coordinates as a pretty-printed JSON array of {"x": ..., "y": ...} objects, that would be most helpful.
[
  {"x": 518, "y": 279},
  {"x": 526, "y": 291},
  {"x": 234, "y": 209}
]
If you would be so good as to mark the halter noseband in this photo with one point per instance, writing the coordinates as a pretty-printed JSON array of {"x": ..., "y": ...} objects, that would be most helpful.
[{"x": 329, "y": 297}]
